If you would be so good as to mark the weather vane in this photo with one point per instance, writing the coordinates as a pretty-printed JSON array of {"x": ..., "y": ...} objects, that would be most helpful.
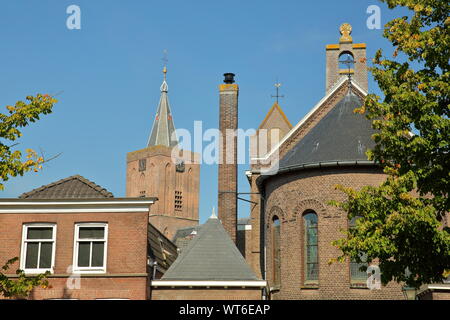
[
  {"x": 164, "y": 58},
  {"x": 349, "y": 62},
  {"x": 277, "y": 86}
]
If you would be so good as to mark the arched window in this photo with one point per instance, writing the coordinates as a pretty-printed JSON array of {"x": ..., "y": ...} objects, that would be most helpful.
[
  {"x": 276, "y": 252},
  {"x": 356, "y": 275},
  {"x": 311, "y": 257},
  {"x": 346, "y": 62}
]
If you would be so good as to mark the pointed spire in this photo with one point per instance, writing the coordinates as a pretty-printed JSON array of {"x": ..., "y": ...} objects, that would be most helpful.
[
  {"x": 163, "y": 128},
  {"x": 213, "y": 215}
]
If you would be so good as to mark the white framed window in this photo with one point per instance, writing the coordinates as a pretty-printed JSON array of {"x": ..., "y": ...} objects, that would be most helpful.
[
  {"x": 38, "y": 247},
  {"x": 90, "y": 247}
]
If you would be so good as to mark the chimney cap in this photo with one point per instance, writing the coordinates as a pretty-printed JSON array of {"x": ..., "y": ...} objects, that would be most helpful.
[{"x": 229, "y": 78}]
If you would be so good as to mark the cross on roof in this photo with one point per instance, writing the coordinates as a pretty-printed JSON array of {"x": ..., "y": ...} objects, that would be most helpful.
[{"x": 277, "y": 86}]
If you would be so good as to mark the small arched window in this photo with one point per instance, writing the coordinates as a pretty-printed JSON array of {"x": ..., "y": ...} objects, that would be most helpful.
[
  {"x": 311, "y": 256},
  {"x": 346, "y": 61},
  {"x": 276, "y": 252}
]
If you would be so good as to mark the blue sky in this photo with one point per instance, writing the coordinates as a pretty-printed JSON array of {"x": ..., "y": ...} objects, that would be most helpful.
[{"x": 110, "y": 73}]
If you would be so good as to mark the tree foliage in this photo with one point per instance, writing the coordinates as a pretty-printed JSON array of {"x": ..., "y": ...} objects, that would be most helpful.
[
  {"x": 12, "y": 164},
  {"x": 21, "y": 285},
  {"x": 19, "y": 116},
  {"x": 403, "y": 221}
]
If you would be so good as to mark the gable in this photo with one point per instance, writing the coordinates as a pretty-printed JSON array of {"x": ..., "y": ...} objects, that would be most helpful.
[{"x": 319, "y": 111}]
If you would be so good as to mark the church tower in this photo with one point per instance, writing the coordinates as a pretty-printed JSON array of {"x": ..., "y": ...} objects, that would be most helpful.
[
  {"x": 162, "y": 170},
  {"x": 346, "y": 49}
]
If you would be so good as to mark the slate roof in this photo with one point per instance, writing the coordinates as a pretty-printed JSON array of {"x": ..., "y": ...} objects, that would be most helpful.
[
  {"x": 340, "y": 136},
  {"x": 72, "y": 187},
  {"x": 160, "y": 249},
  {"x": 211, "y": 255},
  {"x": 163, "y": 127}
]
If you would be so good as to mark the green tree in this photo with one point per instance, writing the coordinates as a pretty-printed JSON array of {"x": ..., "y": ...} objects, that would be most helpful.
[
  {"x": 20, "y": 115},
  {"x": 403, "y": 221},
  {"x": 20, "y": 286},
  {"x": 12, "y": 164}
]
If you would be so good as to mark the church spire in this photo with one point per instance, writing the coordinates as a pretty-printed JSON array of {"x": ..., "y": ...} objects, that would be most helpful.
[{"x": 163, "y": 129}]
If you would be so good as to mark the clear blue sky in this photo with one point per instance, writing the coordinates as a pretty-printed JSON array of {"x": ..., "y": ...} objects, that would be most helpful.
[{"x": 110, "y": 72}]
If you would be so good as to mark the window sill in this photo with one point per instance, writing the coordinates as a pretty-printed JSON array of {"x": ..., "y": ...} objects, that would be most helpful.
[
  {"x": 310, "y": 286},
  {"x": 36, "y": 271},
  {"x": 84, "y": 271},
  {"x": 358, "y": 285}
]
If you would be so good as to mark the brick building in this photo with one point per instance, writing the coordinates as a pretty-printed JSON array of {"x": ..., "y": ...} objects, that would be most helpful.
[
  {"x": 292, "y": 224},
  {"x": 164, "y": 171},
  {"x": 94, "y": 245}
]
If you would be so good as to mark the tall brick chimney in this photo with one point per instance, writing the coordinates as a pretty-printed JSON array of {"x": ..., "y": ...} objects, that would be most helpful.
[{"x": 228, "y": 122}]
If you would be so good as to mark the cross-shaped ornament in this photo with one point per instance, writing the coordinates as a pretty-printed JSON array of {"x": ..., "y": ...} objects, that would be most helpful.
[{"x": 277, "y": 86}]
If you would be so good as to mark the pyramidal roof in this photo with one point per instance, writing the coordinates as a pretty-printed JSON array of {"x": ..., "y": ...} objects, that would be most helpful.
[
  {"x": 69, "y": 188},
  {"x": 163, "y": 128},
  {"x": 340, "y": 136},
  {"x": 211, "y": 255}
]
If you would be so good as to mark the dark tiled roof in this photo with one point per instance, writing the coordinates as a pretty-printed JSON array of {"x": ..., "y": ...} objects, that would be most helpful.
[
  {"x": 340, "y": 136},
  {"x": 211, "y": 255},
  {"x": 72, "y": 187},
  {"x": 160, "y": 249}
]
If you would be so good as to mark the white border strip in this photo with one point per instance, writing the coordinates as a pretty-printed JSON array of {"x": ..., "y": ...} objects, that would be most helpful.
[
  {"x": 74, "y": 210},
  {"x": 53, "y": 203},
  {"x": 12, "y": 207},
  {"x": 180, "y": 283}
]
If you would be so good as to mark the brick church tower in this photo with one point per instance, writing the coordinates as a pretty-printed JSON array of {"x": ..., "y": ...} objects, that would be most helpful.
[
  {"x": 162, "y": 170},
  {"x": 228, "y": 122}
]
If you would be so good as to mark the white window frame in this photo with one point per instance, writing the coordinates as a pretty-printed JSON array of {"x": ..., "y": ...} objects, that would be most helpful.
[
  {"x": 24, "y": 247},
  {"x": 76, "y": 268}
]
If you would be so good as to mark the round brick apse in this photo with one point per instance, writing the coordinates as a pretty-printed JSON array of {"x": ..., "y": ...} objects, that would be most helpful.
[{"x": 292, "y": 195}]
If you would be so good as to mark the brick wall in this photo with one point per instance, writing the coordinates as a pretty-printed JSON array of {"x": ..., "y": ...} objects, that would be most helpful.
[
  {"x": 206, "y": 294},
  {"x": 126, "y": 270},
  {"x": 227, "y": 197},
  {"x": 161, "y": 179},
  {"x": 288, "y": 196},
  {"x": 332, "y": 64}
]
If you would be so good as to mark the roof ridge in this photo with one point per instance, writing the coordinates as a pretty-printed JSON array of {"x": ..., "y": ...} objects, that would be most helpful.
[{"x": 78, "y": 177}]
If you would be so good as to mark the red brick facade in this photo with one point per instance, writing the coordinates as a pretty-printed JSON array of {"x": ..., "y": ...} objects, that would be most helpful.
[
  {"x": 206, "y": 294},
  {"x": 126, "y": 266},
  {"x": 177, "y": 190},
  {"x": 288, "y": 197}
]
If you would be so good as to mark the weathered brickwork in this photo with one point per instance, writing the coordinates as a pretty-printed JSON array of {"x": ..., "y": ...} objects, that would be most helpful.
[
  {"x": 289, "y": 196},
  {"x": 227, "y": 189},
  {"x": 333, "y": 54},
  {"x": 206, "y": 294},
  {"x": 177, "y": 190},
  {"x": 126, "y": 268}
]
